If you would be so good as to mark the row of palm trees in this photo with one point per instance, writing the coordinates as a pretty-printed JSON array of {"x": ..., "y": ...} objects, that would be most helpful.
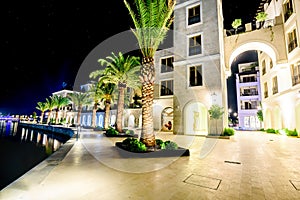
[{"x": 152, "y": 20}]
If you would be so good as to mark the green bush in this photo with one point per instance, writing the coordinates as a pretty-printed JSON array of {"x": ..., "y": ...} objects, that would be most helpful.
[
  {"x": 228, "y": 131},
  {"x": 270, "y": 130},
  {"x": 159, "y": 142},
  {"x": 134, "y": 145},
  {"x": 129, "y": 132},
  {"x": 169, "y": 145},
  {"x": 291, "y": 132},
  {"x": 112, "y": 131}
]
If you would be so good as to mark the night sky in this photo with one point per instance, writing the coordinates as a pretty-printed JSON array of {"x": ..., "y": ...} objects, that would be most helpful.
[{"x": 44, "y": 42}]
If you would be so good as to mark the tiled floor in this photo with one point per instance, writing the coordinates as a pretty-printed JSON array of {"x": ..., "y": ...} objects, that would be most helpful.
[{"x": 250, "y": 165}]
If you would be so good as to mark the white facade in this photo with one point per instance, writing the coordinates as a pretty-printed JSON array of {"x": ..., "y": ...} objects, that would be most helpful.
[{"x": 248, "y": 95}]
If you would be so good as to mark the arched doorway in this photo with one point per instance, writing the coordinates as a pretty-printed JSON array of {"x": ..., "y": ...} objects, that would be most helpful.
[
  {"x": 276, "y": 118},
  {"x": 167, "y": 119},
  {"x": 298, "y": 118},
  {"x": 195, "y": 119}
]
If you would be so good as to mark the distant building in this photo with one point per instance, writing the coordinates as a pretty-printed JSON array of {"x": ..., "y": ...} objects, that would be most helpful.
[{"x": 248, "y": 95}]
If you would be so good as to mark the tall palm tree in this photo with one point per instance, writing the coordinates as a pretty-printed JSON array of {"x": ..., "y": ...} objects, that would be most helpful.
[
  {"x": 42, "y": 106},
  {"x": 51, "y": 104},
  {"x": 96, "y": 94},
  {"x": 80, "y": 99},
  {"x": 107, "y": 96},
  {"x": 121, "y": 71},
  {"x": 60, "y": 102},
  {"x": 152, "y": 21}
]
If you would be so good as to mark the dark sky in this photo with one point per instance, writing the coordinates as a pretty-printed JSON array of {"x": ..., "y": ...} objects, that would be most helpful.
[{"x": 44, "y": 43}]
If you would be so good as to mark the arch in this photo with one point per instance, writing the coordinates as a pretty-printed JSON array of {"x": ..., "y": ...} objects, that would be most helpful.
[
  {"x": 131, "y": 119},
  {"x": 167, "y": 119},
  {"x": 276, "y": 118},
  {"x": 195, "y": 118},
  {"x": 112, "y": 120},
  {"x": 267, "y": 119},
  {"x": 297, "y": 117},
  {"x": 100, "y": 121},
  {"x": 267, "y": 48},
  {"x": 89, "y": 120}
]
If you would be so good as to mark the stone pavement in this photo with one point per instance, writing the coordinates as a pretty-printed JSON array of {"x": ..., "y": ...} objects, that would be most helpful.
[{"x": 249, "y": 165}]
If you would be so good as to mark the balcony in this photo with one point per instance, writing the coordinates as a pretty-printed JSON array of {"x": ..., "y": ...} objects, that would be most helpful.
[
  {"x": 249, "y": 93},
  {"x": 275, "y": 90}
]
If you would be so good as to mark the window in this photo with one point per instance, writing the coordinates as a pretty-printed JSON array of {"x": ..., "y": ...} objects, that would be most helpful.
[
  {"x": 292, "y": 40},
  {"x": 195, "y": 45},
  {"x": 195, "y": 76},
  {"x": 166, "y": 65},
  {"x": 295, "y": 72},
  {"x": 166, "y": 88},
  {"x": 266, "y": 90},
  {"x": 288, "y": 9},
  {"x": 263, "y": 67},
  {"x": 194, "y": 15},
  {"x": 275, "y": 85},
  {"x": 271, "y": 64}
]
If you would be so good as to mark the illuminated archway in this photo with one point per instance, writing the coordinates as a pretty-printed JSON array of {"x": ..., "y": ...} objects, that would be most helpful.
[
  {"x": 195, "y": 119},
  {"x": 276, "y": 118},
  {"x": 298, "y": 118},
  {"x": 167, "y": 119},
  {"x": 267, "y": 119}
]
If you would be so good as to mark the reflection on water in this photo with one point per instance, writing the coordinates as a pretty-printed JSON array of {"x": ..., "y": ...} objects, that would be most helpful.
[
  {"x": 50, "y": 141},
  {"x": 23, "y": 148}
]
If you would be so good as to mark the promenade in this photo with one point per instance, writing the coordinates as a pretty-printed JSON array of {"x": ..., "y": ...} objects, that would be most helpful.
[{"x": 249, "y": 165}]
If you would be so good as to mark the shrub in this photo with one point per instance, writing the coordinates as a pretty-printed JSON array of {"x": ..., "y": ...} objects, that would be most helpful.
[
  {"x": 228, "y": 131},
  {"x": 169, "y": 145},
  {"x": 270, "y": 130},
  {"x": 112, "y": 131},
  {"x": 129, "y": 132},
  {"x": 291, "y": 132},
  {"x": 134, "y": 145},
  {"x": 158, "y": 142}
]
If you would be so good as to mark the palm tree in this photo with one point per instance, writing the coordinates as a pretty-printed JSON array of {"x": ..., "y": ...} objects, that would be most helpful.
[
  {"x": 120, "y": 71},
  {"x": 42, "y": 106},
  {"x": 152, "y": 21},
  {"x": 80, "y": 99},
  {"x": 51, "y": 104},
  {"x": 107, "y": 96},
  {"x": 60, "y": 102},
  {"x": 95, "y": 94}
]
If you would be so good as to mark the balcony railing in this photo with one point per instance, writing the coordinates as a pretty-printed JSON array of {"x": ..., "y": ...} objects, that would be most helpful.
[
  {"x": 194, "y": 19},
  {"x": 195, "y": 50},
  {"x": 249, "y": 108},
  {"x": 292, "y": 45},
  {"x": 248, "y": 80},
  {"x": 275, "y": 90},
  {"x": 249, "y": 93}
]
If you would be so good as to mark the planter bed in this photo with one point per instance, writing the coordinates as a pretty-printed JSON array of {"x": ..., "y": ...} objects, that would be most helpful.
[
  {"x": 121, "y": 135},
  {"x": 218, "y": 136},
  {"x": 151, "y": 154}
]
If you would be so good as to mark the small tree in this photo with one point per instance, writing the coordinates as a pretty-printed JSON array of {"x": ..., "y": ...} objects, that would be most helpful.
[
  {"x": 235, "y": 24},
  {"x": 216, "y": 112},
  {"x": 260, "y": 115},
  {"x": 261, "y": 17}
]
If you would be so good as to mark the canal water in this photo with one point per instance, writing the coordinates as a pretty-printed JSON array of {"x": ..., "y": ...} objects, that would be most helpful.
[{"x": 23, "y": 148}]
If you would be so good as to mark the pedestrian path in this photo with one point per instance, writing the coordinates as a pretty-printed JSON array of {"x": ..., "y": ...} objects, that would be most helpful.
[{"x": 249, "y": 165}]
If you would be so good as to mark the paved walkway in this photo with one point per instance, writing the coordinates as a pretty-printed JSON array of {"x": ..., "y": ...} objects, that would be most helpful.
[{"x": 249, "y": 165}]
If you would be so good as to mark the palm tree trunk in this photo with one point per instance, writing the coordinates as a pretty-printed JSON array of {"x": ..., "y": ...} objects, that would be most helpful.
[
  {"x": 49, "y": 116},
  {"x": 120, "y": 108},
  {"x": 79, "y": 114},
  {"x": 107, "y": 114},
  {"x": 94, "y": 115},
  {"x": 56, "y": 115},
  {"x": 147, "y": 77},
  {"x": 42, "y": 116}
]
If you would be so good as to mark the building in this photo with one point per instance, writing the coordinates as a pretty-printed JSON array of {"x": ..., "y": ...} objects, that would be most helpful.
[
  {"x": 248, "y": 95},
  {"x": 190, "y": 76}
]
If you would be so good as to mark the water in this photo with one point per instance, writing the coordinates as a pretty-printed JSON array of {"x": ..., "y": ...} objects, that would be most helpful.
[{"x": 23, "y": 148}]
